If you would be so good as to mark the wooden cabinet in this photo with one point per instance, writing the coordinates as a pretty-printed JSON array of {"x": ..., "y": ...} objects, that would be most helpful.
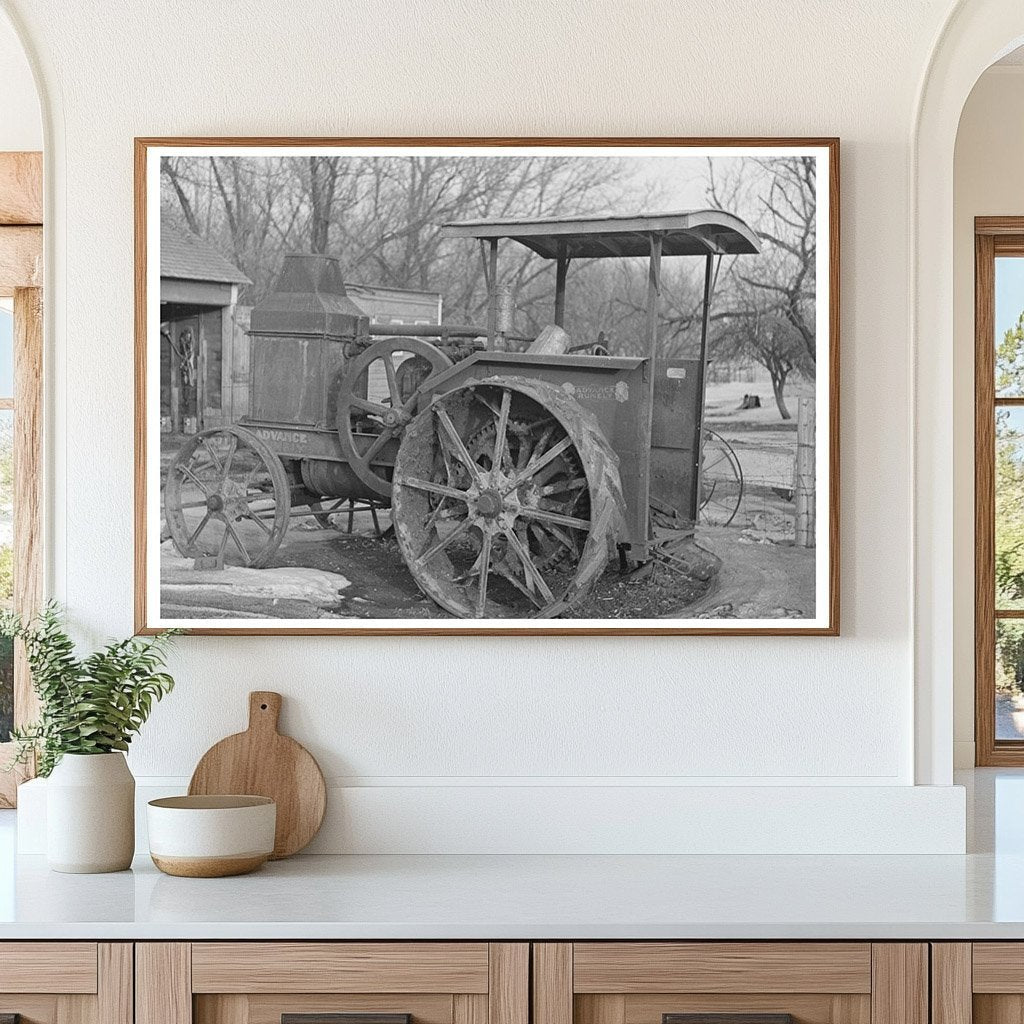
[
  {"x": 262, "y": 982},
  {"x": 760, "y": 982},
  {"x": 978, "y": 983},
  {"x": 66, "y": 982},
  {"x": 499, "y": 983}
]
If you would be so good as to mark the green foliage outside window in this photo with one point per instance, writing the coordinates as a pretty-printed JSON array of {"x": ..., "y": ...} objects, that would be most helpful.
[
  {"x": 1010, "y": 362},
  {"x": 1009, "y": 656},
  {"x": 1009, "y": 475},
  {"x": 1009, "y": 510}
]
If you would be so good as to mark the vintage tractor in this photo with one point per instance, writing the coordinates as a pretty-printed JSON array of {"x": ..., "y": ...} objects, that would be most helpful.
[{"x": 514, "y": 467}]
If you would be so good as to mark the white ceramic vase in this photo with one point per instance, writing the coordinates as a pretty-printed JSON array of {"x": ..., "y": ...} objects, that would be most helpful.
[{"x": 90, "y": 814}]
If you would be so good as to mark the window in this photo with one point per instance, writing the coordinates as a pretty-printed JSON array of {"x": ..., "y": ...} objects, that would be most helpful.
[
  {"x": 20, "y": 490},
  {"x": 21, "y": 369},
  {"x": 6, "y": 515},
  {"x": 999, "y": 490}
]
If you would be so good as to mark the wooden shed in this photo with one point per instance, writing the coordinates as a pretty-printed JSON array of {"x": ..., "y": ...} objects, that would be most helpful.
[
  {"x": 198, "y": 298},
  {"x": 395, "y": 305}
]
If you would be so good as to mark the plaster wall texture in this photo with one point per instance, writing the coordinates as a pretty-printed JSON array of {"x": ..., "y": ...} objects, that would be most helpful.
[{"x": 434, "y": 713}]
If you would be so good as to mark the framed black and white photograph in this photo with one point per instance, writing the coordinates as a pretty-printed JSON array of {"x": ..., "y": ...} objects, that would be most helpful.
[{"x": 487, "y": 386}]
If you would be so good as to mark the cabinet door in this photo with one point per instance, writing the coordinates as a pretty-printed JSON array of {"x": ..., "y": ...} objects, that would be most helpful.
[
  {"x": 332, "y": 983},
  {"x": 730, "y": 983},
  {"x": 65, "y": 983},
  {"x": 980, "y": 982}
]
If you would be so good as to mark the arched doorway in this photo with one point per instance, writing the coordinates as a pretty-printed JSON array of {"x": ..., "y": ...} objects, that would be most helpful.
[{"x": 976, "y": 34}]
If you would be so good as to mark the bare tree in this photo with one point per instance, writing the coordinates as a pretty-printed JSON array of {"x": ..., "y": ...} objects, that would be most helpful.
[
  {"x": 323, "y": 180},
  {"x": 767, "y": 304},
  {"x": 383, "y": 217},
  {"x": 771, "y": 341},
  {"x": 169, "y": 168},
  {"x": 256, "y": 210},
  {"x": 788, "y": 275}
]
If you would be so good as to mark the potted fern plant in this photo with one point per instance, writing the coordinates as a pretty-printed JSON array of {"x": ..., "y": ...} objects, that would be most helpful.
[{"x": 89, "y": 710}]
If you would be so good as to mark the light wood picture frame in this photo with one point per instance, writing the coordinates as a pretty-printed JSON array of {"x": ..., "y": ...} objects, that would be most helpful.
[{"x": 281, "y": 283}]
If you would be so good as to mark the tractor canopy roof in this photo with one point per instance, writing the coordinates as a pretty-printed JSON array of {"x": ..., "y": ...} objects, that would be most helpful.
[{"x": 683, "y": 233}]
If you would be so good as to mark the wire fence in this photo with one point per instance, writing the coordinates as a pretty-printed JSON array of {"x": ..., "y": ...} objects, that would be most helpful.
[
  {"x": 748, "y": 485},
  {"x": 761, "y": 482}
]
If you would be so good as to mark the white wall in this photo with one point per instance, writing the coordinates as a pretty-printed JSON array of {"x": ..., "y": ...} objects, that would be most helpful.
[
  {"x": 21, "y": 126},
  {"x": 456, "y": 712},
  {"x": 987, "y": 181}
]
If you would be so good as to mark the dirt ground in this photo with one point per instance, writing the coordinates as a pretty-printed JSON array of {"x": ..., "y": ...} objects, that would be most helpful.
[
  {"x": 765, "y": 446},
  {"x": 364, "y": 577},
  {"x": 330, "y": 574}
]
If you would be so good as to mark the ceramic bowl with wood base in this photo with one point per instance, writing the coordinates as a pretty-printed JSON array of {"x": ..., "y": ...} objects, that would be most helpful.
[{"x": 211, "y": 836}]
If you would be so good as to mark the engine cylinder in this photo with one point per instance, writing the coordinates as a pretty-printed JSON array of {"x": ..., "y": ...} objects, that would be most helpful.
[{"x": 335, "y": 480}]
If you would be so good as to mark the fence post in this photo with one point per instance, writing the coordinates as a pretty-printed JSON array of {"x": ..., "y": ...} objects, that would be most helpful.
[{"x": 804, "y": 473}]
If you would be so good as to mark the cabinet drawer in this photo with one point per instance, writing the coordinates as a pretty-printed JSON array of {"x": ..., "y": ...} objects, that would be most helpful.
[
  {"x": 332, "y": 983},
  {"x": 66, "y": 982},
  {"x": 998, "y": 968},
  {"x": 65, "y": 967},
  {"x": 340, "y": 967},
  {"x": 634, "y": 967},
  {"x": 730, "y": 983}
]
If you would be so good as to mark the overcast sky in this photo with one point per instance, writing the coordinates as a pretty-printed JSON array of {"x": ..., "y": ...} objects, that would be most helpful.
[{"x": 1009, "y": 293}]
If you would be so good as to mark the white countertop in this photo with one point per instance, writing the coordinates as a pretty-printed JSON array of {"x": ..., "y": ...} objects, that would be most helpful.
[
  {"x": 977, "y": 896},
  {"x": 497, "y": 897}
]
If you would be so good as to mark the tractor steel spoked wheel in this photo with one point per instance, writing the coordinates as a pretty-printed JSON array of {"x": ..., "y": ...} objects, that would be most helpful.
[
  {"x": 721, "y": 481},
  {"x": 378, "y": 397},
  {"x": 227, "y": 496},
  {"x": 507, "y": 501}
]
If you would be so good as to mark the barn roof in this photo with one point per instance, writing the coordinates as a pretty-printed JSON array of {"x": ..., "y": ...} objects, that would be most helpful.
[
  {"x": 683, "y": 233},
  {"x": 187, "y": 257}
]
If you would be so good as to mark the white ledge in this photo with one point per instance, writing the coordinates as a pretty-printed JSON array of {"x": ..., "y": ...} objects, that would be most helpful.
[{"x": 449, "y": 817}]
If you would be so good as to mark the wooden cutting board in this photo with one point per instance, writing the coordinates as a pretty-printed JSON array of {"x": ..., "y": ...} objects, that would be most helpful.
[{"x": 262, "y": 762}]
